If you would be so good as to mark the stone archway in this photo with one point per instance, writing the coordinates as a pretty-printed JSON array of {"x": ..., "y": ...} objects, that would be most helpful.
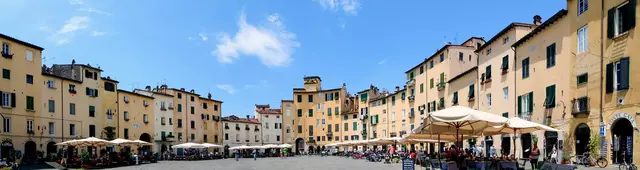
[
  {"x": 582, "y": 136},
  {"x": 52, "y": 149},
  {"x": 30, "y": 152},
  {"x": 6, "y": 148},
  {"x": 622, "y": 131},
  {"x": 147, "y": 138},
  {"x": 299, "y": 145}
]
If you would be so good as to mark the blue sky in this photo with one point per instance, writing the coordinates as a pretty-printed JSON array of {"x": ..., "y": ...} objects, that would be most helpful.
[{"x": 248, "y": 52}]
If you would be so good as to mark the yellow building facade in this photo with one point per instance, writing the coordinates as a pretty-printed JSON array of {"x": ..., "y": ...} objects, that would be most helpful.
[{"x": 137, "y": 116}]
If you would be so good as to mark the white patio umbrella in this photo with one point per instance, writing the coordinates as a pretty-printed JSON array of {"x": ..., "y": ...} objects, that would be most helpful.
[
  {"x": 270, "y": 146},
  {"x": 286, "y": 145},
  {"x": 517, "y": 125},
  {"x": 414, "y": 141},
  {"x": 240, "y": 147},
  {"x": 139, "y": 142},
  {"x": 187, "y": 145},
  {"x": 65, "y": 143},
  {"x": 90, "y": 141},
  {"x": 209, "y": 145},
  {"x": 462, "y": 119},
  {"x": 121, "y": 141}
]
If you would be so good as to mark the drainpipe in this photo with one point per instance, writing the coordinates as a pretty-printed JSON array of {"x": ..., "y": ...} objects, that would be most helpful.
[
  {"x": 602, "y": 40},
  {"x": 62, "y": 106},
  {"x": 117, "y": 111}
]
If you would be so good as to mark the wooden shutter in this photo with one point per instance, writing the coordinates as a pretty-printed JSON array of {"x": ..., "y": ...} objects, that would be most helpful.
[
  {"x": 530, "y": 109},
  {"x": 1, "y": 98},
  {"x": 489, "y": 72},
  {"x": 472, "y": 91},
  {"x": 519, "y": 104},
  {"x": 505, "y": 62},
  {"x": 13, "y": 100},
  {"x": 609, "y": 83},
  {"x": 624, "y": 73},
  {"x": 611, "y": 24},
  {"x": 630, "y": 15},
  {"x": 88, "y": 91},
  {"x": 549, "y": 101}
]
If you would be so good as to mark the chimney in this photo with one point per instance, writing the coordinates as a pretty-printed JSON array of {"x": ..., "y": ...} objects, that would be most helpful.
[
  {"x": 147, "y": 88},
  {"x": 537, "y": 20},
  {"x": 181, "y": 89},
  {"x": 73, "y": 61},
  {"x": 397, "y": 88},
  {"x": 247, "y": 117},
  {"x": 209, "y": 95}
]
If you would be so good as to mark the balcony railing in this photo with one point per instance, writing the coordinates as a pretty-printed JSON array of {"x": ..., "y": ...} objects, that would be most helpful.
[
  {"x": 525, "y": 116},
  {"x": 237, "y": 128},
  {"x": 412, "y": 114},
  {"x": 163, "y": 108},
  {"x": 580, "y": 106},
  {"x": 441, "y": 85},
  {"x": 393, "y": 134},
  {"x": 170, "y": 107},
  {"x": 547, "y": 121},
  {"x": 411, "y": 83},
  {"x": 412, "y": 98},
  {"x": 226, "y": 127}
]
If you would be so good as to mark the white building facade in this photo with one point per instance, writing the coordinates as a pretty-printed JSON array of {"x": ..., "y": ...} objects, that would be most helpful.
[
  {"x": 241, "y": 131},
  {"x": 163, "y": 125},
  {"x": 271, "y": 121}
]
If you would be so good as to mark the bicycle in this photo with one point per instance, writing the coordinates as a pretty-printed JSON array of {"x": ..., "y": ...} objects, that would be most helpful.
[
  {"x": 586, "y": 159},
  {"x": 625, "y": 165}
]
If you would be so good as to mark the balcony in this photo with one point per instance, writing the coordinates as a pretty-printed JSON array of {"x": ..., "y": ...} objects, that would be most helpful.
[
  {"x": 580, "y": 107},
  {"x": 256, "y": 130},
  {"x": 412, "y": 98},
  {"x": 525, "y": 116},
  {"x": 402, "y": 133},
  {"x": 311, "y": 140},
  {"x": 170, "y": 136},
  {"x": 411, "y": 83},
  {"x": 226, "y": 127},
  {"x": 72, "y": 91},
  {"x": 7, "y": 55},
  {"x": 246, "y": 140},
  {"x": 163, "y": 108},
  {"x": 441, "y": 85},
  {"x": 393, "y": 134},
  {"x": 237, "y": 128},
  {"x": 247, "y": 128},
  {"x": 412, "y": 114},
  {"x": 170, "y": 107}
]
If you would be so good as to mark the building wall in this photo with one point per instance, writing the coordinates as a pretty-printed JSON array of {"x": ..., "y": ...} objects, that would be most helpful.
[
  {"x": 288, "y": 121},
  {"x": 542, "y": 76},
  {"x": 241, "y": 137},
  {"x": 270, "y": 133},
  {"x": 462, "y": 85},
  {"x": 213, "y": 128},
  {"x": 159, "y": 113},
  {"x": 135, "y": 124},
  {"x": 110, "y": 105}
]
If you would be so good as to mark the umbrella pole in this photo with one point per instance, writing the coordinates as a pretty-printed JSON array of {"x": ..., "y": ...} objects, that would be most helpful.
[{"x": 514, "y": 142}]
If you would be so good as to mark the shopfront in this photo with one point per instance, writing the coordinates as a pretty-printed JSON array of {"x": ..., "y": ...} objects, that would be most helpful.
[{"x": 622, "y": 127}]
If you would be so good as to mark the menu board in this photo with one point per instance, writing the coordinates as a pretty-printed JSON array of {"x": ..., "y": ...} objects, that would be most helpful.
[
  {"x": 603, "y": 148},
  {"x": 407, "y": 164}
]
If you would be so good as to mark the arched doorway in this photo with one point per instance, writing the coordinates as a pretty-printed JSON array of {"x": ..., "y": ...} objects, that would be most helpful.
[
  {"x": 583, "y": 133},
  {"x": 226, "y": 151},
  {"x": 30, "y": 152},
  {"x": 311, "y": 150},
  {"x": 299, "y": 145},
  {"x": 6, "y": 149},
  {"x": 622, "y": 131},
  {"x": 506, "y": 145},
  {"x": 488, "y": 142},
  {"x": 52, "y": 148},
  {"x": 147, "y": 138},
  {"x": 525, "y": 140},
  {"x": 323, "y": 148},
  {"x": 163, "y": 148},
  {"x": 551, "y": 139}
]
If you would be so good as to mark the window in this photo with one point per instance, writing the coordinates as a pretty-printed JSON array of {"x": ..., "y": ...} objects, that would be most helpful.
[
  {"x": 489, "y": 99},
  {"x": 525, "y": 68},
  {"x": 442, "y": 57},
  {"x": 126, "y": 116},
  {"x": 421, "y": 88},
  {"x": 92, "y": 92},
  {"x": 7, "y": 125},
  {"x": 310, "y": 130},
  {"x": 92, "y": 130},
  {"x": 583, "y": 78},
  {"x": 505, "y": 63},
  {"x": 29, "y": 55},
  {"x": 29, "y": 126},
  {"x": 92, "y": 111},
  {"x": 431, "y": 64},
  {"x": 505, "y": 114},
  {"x": 170, "y": 121},
  {"x": 226, "y": 136},
  {"x": 145, "y": 118},
  {"x": 51, "y": 84},
  {"x": 455, "y": 98},
  {"x": 52, "y": 128},
  {"x": 550, "y": 99},
  {"x": 179, "y": 95},
  {"x": 215, "y": 107},
  {"x": 460, "y": 56},
  {"x": 355, "y": 126},
  {"x": 551, "y": 55},
  {"x": 583, "y": 40},
  {"x": 336, "y": 127},
  {"x": 299, "y": 112},
  {"x": 5, "y": 49},
  {"x": 505, "y": 92},
  {"x": 310, "y": 113},
  {"x": 525, "y": 103},
  {"x": 621, "y": 19},
  {"x": 278, "y": 138},
  {"x": 193, "y": 110},
  {"x": 72, "y": 88},
  {"x": 431, "y": 83},
  {"x": 108, "y": 86},
  {"x": 310, "y": 98},
  {"x": 6, "y": 74},
  {"x": 193, "y": 99},
  {"x": 488, "y": 72},
  {"x": 52, "y": 106},
  {"x": 30, "y": 103},
  {"x": 179, "y": 107},
  {"x": 617, "y": 75},
  {"x": 72, "y": 130},
  {"x": 179, "y": 123},
  {"x": 421, "y": 69},
  {"x": 505, "y": 40},
  {"x": 583, "y": 5},
  {"x": 29, "y": 79},
  {"x": 299, "y": 98},
  {"x": 346, "y": 127},
  {"x": 193, "y": 124}
]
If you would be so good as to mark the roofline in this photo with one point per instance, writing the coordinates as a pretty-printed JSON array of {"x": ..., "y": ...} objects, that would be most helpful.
[
  {"x": 502, "y": 32},
  {"x": 463, "y": 74},
  {"x": 205, "y": 98},
  {"x": 363, "y": 91},
  {"x": 109, "y": 79},
  {"x": 437, "y": 52},
  {"x": 138, "y": 94},
  {"x": 540, "y": 28},
  {"x": 184, "y": 91},
  {"x": 60, "y": 77},
  {"x": 83, "y": 65},
  {"x": 286, "y": 101},
  {"x": 21, "y": 42}
]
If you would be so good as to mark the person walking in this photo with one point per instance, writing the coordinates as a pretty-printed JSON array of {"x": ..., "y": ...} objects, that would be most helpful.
[
  {"x": 286, "y": 151},
  {"x": 535, "y": 153},
  {"x": 255, "y": 154},
  {"x": 237, "y": 154}
]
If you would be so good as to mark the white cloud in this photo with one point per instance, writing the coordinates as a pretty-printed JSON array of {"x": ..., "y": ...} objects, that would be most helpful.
[
  {"x": 263, "y": 83},
  {"x": 203, "y": 36},
  {"x": 93, "y": 10},
  {"x": 62, "y": 41},
  {"x": 189, "y": 38},
  {"x": 98, "y": 33},
  {"x": 76, "y": 2},
  {"x": 271, "y": 43},
  {"x": 73, "y": 24},
  {"x": 381, "y": 62},
  {"x": 348, "y": 6},
  {"x": 228, "y": 88}
]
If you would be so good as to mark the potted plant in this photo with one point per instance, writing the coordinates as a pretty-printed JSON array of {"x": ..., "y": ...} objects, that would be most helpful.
[
  {"x": 565, "y": 158},
  {"x": 85, "y": 157}
]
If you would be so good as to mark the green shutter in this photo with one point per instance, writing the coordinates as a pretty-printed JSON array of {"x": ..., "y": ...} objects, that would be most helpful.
[
  {"x": 355, "y": 126},
  {"x": 337, "y": 111},
  {"x": 611, "y": 24},
  {"x": 609, "y": 83},
  {"x": 505, "y": 114},
  {"x": 179, "y": 107},
  {"x": 624, "y": 73},
  {"x": 299, "y": 112},
  {"x": 632, "y": 13},
  {"x": 482, "y": 77},
  {"x": 472, "y": 91},
  {"x": 329, "y": 111},
  {"x": 441, "y": 77},
  {"x": 431, "y": 83},
  {"x": 455, "y": 97},
  {"x": 429, "y": 107},
  {"x": 489, "y": 72},
  {"x": 310, "y": 112},
  {"x": 530, "y": 108},
  {"x": 550, "y": 99},
  {"x": 519, "y": 104},
  {"x": 421, "y": 88},
  {"x": 505, "y": 63}
]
